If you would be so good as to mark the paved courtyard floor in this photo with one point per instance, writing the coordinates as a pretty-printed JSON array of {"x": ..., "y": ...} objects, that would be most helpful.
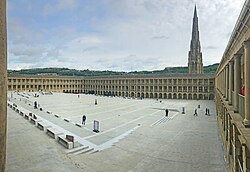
[{"x": 134, "y": 135}]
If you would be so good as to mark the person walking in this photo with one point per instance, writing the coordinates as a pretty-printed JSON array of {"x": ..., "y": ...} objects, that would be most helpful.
[
  {"x": 243, "y": 90},
  {"x": 208, "y": 113},
  {"x": 166, "y": 112},
  {"x": 35, "y": 105},
  {"x": 195, "y": 112},
  {"x": 84, "y": 119}
]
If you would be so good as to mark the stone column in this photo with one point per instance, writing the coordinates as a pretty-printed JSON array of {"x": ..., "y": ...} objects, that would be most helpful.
[
  {"x": 246, "y": 158},
  {"x": 236, "y": 148},
  {"x": 237, "y": 80},
  {"x": 224, "y": 83},
  {"x": 227, "y": 76},
  {"x": 230, "y": 82},
  {"x": 219, "y": 82},
  {"x": 3, "y": 84},
  {"x": 246, "y": 121}
]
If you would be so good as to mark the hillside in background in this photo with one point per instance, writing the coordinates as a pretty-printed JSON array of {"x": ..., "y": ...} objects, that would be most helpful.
[{"x": 73, "y": 72}]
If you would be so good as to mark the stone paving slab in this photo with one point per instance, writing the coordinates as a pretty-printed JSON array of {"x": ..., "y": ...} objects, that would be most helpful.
[{"x": 30, "y": 150}]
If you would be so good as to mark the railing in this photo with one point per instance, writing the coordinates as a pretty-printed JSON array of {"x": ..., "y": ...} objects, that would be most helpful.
[{"x": 242, "y": 105}]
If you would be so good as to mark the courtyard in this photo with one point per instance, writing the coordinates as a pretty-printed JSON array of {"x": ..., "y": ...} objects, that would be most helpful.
[{"x": 134, "y": 134}]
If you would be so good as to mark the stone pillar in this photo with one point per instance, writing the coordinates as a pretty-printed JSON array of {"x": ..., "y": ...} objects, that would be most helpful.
[
  {"x": 221, "y": 82},
  {"x": 230, "y": 136},
  {"x": 246, "y": 121},
  {"x": 224, "y": 83},
  {"x": 3, "y": 84},
  {"x": 246, "y": 158},
  {"x": 237, "y": 80},
  {"x": 227, "y": 76},
  {"x": 225, "y": 125},
  {"x": 230, "y": 86},
  {"x": 237, "y": 149}
]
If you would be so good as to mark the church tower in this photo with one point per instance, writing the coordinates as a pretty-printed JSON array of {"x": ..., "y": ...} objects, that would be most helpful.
[{"x": 195, "y": 64}]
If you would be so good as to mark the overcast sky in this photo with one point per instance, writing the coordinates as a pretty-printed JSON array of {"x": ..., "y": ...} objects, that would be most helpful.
[{"x": 120, "y": 35}]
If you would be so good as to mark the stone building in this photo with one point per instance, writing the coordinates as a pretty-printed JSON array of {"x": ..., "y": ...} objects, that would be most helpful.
[
  {"x": 171, "y": 86},
  {"x": 232, "y": 102},
  {"x": 195, "y": 64},
  {"x": 45, "y": 83}
]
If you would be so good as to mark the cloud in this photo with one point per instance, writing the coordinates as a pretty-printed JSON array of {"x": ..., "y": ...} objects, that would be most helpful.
[
  {"x": 28, "y": 55},
  {"x": 130, "y": 62},
  {"x": 117, "y": 34},
  {"x": 210, "y": 47},
  {"x": 53, "y": 53},
  {"x": 159, "y": 37},
  {"x": 58, "y": 6},
  {"x": 19, "y": 34},
  {"x": 88, "y": 49}
]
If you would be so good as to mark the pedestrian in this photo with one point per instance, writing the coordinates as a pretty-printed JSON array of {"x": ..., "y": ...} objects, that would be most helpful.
[
  {"x": 208, "y": 113},
  {"x": 35, "y": 105},
  {"x": 195, "y": 112},
  {"x": 166, "y": 112},
  {"x": 243, "y": 90},
  {"x": 83, "y": 119}
]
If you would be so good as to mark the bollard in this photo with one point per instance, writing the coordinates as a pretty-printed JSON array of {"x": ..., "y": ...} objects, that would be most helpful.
[{"x": 183, "y": 110}]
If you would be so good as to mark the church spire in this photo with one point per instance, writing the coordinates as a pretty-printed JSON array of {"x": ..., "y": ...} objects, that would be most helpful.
[
  {"x": 195, "y": 56},
  {"x": 195, "y": 13}
]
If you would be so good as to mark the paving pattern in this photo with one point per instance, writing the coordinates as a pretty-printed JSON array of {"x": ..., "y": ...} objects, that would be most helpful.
[{"x": 135, "y": 135}]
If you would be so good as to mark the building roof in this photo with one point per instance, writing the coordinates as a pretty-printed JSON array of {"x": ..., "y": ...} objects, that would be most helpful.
[{"x": 178, "y": 75}]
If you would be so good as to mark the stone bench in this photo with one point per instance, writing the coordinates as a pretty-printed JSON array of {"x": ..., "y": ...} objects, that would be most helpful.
[
  {"x": 22, "y": 111},
  {"x": 43, "y": 125},
  {"x": 79, "y": 125},
  {"x": 58, "y": 116},
  {"x": 34, "y": 120},
  {"x": 67, "y": 141},
  {"x": 53, "y": 132},
  {"x": 17, "y": 110},
  {"x": 66, "y": 119},
  {"x": 27, "y": 116}
]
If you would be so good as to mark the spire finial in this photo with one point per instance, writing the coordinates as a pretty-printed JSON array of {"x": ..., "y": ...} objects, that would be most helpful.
[{"x": 195, "y": 13}]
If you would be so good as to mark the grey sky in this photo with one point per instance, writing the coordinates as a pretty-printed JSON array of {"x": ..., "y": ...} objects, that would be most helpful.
[{"x": 118, "y": 35}]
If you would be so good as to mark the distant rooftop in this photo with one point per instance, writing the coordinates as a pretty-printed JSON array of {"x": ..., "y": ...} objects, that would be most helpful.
[{"x": 172, "y": 75}]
